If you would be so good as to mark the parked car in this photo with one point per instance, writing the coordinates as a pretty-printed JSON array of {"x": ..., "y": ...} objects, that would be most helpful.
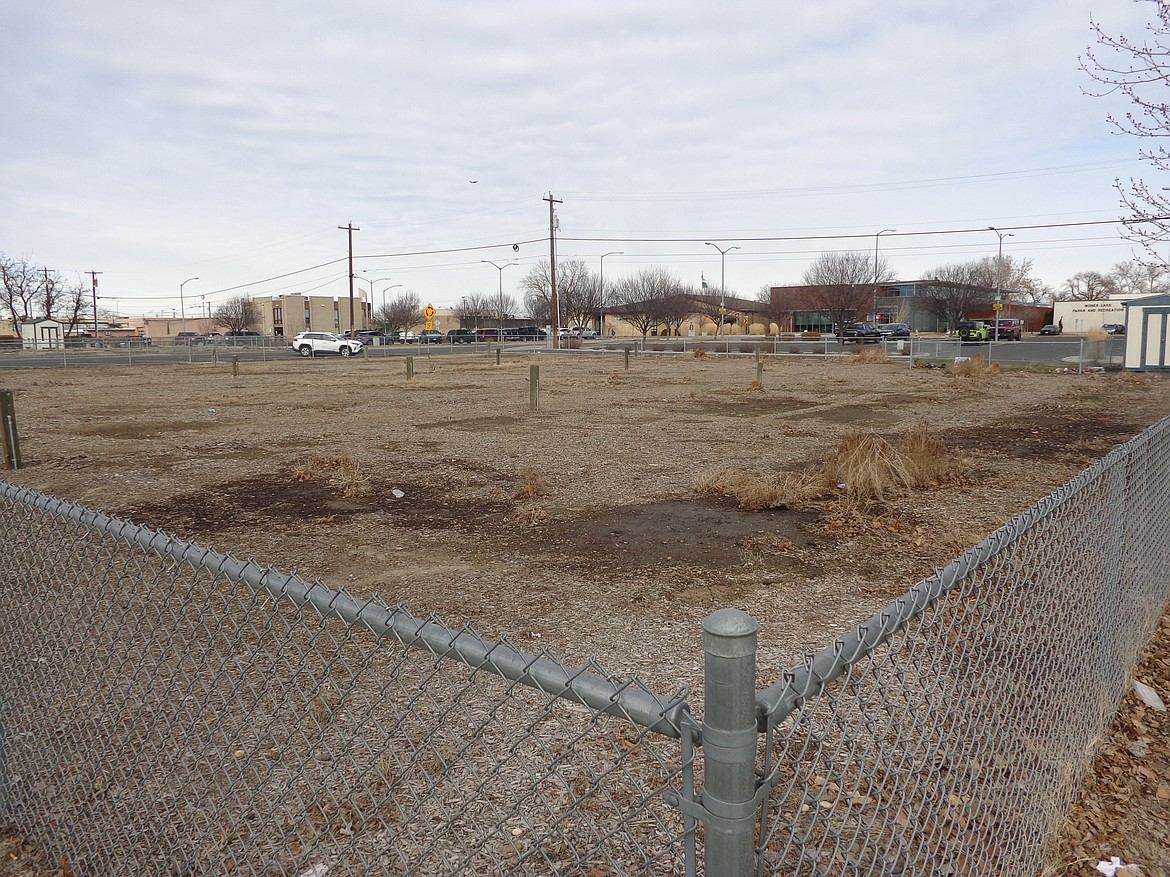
[
  {"x": 242, "y": 333},
  {"x": 1114, "y": 328},
  {"x": 972, "y": 331},
  {"x": 530, "y": 332},
  {"x": 585, "y": 332},
  {"x": 487, "y": 335},
  {"x": 460, "y": 336},
  {"x": 861, "y": 333},
  {"x": 430, "y": 336},
  {"x": 894, "y": 330},
  {"x": 187, "y": 338},
  {"x": 315, "y": 343},
  {"x": 1006, "y": 329},
  {"x": 402, "y": 337},
  {"x": 1050, "y": 330}
]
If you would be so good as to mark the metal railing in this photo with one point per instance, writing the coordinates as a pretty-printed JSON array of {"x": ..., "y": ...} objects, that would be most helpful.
[{"x": 168, "y": 709}]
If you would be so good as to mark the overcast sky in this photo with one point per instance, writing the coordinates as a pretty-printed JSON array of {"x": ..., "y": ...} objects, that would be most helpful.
[{"x": 155, "y": 142}]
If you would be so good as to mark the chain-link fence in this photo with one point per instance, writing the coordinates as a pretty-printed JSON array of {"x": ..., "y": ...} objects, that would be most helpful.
[
  {"x": 168, "y": 710},
  {"x": 948, "y": 733}
]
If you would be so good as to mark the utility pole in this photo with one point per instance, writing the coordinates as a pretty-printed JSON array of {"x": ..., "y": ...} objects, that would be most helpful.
[
  {"x": 349, "y": 228},
  {"x": 93, "y": 278},
  {"x": 552, "y": 264}
]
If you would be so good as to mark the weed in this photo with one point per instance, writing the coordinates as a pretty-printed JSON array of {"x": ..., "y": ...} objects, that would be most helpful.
[
  {"x": 975, "y": 368},
  {"x": 699, "y": 352},
  {"x": 531, "y": 515},
  {"x": 926, "y": 457},
  {"x": 340, "y": 471},
  {"x": 755, "y": 493},
  {"x": 868, "y": 466},
  {"x": 530, "y": 486},
  {"x": 755, "y": 387},
  {"x": 1096, "y": 334},
  {"x": 874, "y": 354}
]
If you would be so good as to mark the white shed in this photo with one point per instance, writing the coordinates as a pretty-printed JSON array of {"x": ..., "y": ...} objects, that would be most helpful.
[
  {"x": 1147, "y": 333},
  {"x": 41, "y": 334}
]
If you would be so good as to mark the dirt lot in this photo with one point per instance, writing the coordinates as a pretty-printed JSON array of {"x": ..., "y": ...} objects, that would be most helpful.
[{"x": 578, "y": 526}]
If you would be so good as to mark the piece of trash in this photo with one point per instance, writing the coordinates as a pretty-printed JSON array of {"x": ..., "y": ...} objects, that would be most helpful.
[
  {"x": 1138, "y": 749},
  {"x": 1149, "y": 697},
  {"x": 211, "y": 410},
  {"x": 1117, "y": 868},
  {"x": 315, "y": 871},
  {"x": 398, "y": 494}
]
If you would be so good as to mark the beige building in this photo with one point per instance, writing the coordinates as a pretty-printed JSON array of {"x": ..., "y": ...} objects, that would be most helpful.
[{"x": 286, "y": 315}]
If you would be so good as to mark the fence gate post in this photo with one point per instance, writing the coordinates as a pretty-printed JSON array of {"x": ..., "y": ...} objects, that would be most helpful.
[
  {"x": 8, "y": 430},
  {"x": 729, "y": 742}
]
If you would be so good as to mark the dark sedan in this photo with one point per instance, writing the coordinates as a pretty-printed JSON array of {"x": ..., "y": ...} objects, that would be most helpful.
[
  {"x": 861, "y": 333},
  {"x": 894, "y": 330},
  {"x": 1050, "y": 330}
]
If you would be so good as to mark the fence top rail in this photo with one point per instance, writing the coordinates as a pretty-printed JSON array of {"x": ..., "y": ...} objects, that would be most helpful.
[
  {"x": 807, "y": 679},
  {"x": 587, "y": 685}
]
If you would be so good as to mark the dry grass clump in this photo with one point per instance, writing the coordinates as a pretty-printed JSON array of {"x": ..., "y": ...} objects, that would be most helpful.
[
  {"x": 530, "y": 486},
  {"x": 1097, "y": 334},
  {"x": 870, "y": 468},
  {"x": 339, "y": 471},
  {"x": 874, "y": 354},
  {"x": 699, "y": 352},
  {"x": 755, "y": 387},
  {"x": 866, "y": 467},
  {"x": 975, "y": 368},
  {"x": 755, "y": 493}
]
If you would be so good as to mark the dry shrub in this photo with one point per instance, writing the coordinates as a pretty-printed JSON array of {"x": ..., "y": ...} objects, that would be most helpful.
[
  {"x": 1097, "y": 334},
  {"x": 531, "y": 515},
  {"x": 926, "y": 457},
  {"x": 755, "y": 493},
  {"x": 531, "y": 485},
  {"x": 699, "y": 352},
  {"x": 975, "y": 368},
  {"x": 340, "y": 471},
  {"x": 868, "y": 466},
  {"x": 755, "y": 387},
  {"x": 872, "y": 354}
]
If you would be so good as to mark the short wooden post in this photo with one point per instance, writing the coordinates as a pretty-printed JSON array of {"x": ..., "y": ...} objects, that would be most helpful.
[
  {"x": 533, "y": 387},
  {"x": 409, "y": 367},
  {"x": 627, "y": 358},
  {"x": 759, "y": 366},
  {"x": 497, "y": 356},
  {"x": 8, "y": 430},
  {"x": 235, "y": 366},
  {"x": 214, "y": 356}
]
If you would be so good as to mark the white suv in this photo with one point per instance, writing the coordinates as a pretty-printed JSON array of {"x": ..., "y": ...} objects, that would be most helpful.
[{"x": 312, "y": 343}]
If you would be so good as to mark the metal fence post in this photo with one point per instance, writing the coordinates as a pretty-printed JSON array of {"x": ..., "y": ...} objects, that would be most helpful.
[{"x": 729, "y": 742}]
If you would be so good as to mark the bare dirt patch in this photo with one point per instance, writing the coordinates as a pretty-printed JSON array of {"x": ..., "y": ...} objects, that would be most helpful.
[{"x": 616, "y": 555}]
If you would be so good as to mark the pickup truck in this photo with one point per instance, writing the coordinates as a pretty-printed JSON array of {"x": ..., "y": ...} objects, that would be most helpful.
[
  {"x": 1006, "y": 329},
  {"x": 861, "y": 333}
]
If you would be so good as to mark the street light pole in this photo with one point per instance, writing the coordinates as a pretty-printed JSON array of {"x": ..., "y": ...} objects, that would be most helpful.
[
  {"x": 998, "y": 277},
  {"x": 601, "y": 283},
  {"x": 182, "y": 310},
  {"x": 876, "y": 240},
  {"x": 500, "y": 294},
  {"x": 722, "y": 281}
]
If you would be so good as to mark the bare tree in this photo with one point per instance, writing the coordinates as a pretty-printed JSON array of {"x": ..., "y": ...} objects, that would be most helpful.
[
  {"x": 845, "y": 282},
  {"x": 956, "y": 290},
  {"x": 1140, "y": 71},
  {"x": 237, "y": 314},
  {"x": 1087, "y": 286},
  {"x": 577, "y": 292},
  {"x": 1137, "y": 278},
  {"x": 709, "y": 301},
  {"x": 404, "y": 311},
  {"x": 675, "y": 308},
  {"x": 471, "y": 309},
  {"x": 639, "y": 299},
  {"x": 500, "y": 306},
  {"x": 20, "y": 288},
  {"x": 778, "y": 307}
]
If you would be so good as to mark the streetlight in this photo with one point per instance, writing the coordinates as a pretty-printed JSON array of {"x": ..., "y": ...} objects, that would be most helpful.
[
  {"x": 722, "y": 280},
  {"x": 601, "y": 283},
  {"x": 500, "y": 296},
  {"x": 182, "y": 310},
  {"x": 372, "y": 282},
  {"x": 876, "y": 240},
  {"x": 998, "y": 277}
]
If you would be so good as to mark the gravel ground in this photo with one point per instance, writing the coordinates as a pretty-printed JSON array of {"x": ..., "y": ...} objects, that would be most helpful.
[{"x": 576, "y": 525}]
